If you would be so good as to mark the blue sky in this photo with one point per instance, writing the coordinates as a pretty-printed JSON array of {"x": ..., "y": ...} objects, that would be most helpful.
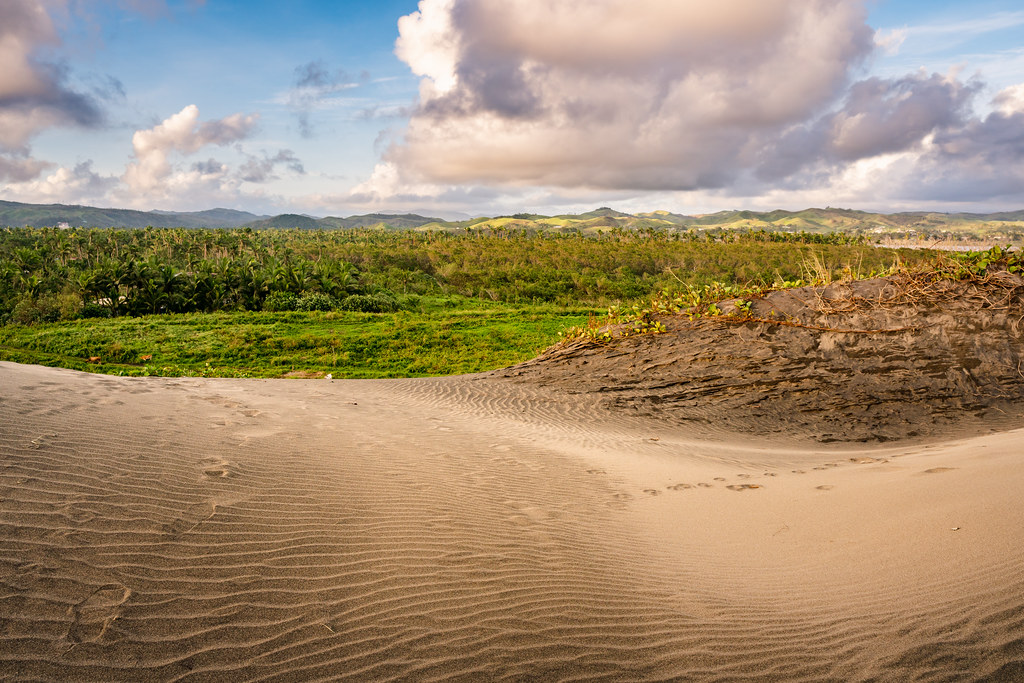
[{"x": 490, "y": 106}]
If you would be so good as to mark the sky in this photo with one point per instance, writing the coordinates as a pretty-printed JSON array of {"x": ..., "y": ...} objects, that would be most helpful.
[{"x": 485, "y": 107}]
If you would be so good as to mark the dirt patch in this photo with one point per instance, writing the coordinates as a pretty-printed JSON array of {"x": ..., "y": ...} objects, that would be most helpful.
[{"x": 303, "y": 374}]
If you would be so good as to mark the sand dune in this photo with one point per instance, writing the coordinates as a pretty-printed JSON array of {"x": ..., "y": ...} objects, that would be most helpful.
[{"x": 483, "y": 528}]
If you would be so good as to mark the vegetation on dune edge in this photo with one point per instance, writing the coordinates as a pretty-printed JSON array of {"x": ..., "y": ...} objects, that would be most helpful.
[{"x": 733, "y": 303}]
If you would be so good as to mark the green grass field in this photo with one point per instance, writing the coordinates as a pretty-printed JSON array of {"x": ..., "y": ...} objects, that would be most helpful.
[{"x": 443, "y": 337}]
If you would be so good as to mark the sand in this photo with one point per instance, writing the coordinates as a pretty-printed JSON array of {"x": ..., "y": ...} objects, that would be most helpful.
[{"x": 519, "y": 525}]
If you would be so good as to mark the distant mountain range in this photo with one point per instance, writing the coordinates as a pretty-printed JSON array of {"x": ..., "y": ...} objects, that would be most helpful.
[
  {"x": 604, "y": 219},
  {"x": 808, "y": 220}
]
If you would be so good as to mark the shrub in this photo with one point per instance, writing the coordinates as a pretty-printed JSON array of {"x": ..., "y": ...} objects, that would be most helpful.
[
  {"x": 48, "y": 308},
  {"x": 94, "y": 310},
  {"x": 370, "y": 303},
  {"x": 315, "y": 301},
  {"x": 69, "y": 306},
  {"x": 281, "y": 301}
]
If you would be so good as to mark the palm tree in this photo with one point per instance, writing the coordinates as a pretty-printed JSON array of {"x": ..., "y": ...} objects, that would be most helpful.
[{"x": 103, "y": 284}]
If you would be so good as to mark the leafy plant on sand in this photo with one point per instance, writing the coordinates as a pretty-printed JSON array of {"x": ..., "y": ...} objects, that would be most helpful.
[{"x": 735, "y": 302}]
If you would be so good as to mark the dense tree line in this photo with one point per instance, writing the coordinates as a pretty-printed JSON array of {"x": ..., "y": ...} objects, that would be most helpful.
[{"x": 50, "y": 274}]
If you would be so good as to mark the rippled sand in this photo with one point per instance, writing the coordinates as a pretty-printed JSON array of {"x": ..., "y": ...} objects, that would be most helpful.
[{"x": 189, "y": 529}]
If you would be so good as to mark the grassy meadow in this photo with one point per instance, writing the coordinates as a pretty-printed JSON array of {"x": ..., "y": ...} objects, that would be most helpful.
[{"x": 441, "y": 337}]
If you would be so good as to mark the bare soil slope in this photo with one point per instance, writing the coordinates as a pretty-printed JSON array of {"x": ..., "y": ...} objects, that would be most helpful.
[{"x": 867, "y": 361}]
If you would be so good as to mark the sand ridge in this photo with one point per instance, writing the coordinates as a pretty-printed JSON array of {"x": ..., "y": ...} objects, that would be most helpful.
[{"x": 483, "y": 528}]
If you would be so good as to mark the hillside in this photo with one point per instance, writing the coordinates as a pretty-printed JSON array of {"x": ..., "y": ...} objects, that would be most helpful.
[
  {"x": 17, "y": 214},
  {"x": 1007, "y": 225}
]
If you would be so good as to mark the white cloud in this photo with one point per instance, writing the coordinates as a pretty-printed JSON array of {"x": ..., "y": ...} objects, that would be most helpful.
[
  {"x": 890, "y": 41},
  {"x": 80, "y": 184},
  {"x": 614, "y": 94},
  {"x": 1010, "y": 100},
  {"x": 152, "y": 174},
  {"x": 34, "y": 94}
]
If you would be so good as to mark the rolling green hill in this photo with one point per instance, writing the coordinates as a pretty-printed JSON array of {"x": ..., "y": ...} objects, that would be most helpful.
[
  {"x": 17, "y": 214},
  {"x": 603, "y": 220}
]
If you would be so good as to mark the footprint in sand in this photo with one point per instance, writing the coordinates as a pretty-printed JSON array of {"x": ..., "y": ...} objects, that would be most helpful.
[
  {"x": 719, "y": 478},
  {"x": 705, "y": 485},
  {"x": 75, "y": 514},
  {"x": 825, "y": 487},
  {"x": 215, "y": 468},
  {"x": 679, "y": 487},
  {"x": 866, "y": 461},
  {"x": 651, "y": 492},
  {"x": 596, "y": 472},
  {"x": 251, "y": 413},
  {"x": 43, "y": 440},
  {"x": 939, "y": 470},
  {"x": 743, "y": 487},
  {"x": 91, "y": 617},
  {"x": 190, "y": 518}
]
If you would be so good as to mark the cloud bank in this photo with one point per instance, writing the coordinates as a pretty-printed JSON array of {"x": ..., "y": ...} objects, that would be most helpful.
[
  {"x": 736, "y": 97},
  {"x": 34, "y": 94},
  {"x": 615, "y": 94}
]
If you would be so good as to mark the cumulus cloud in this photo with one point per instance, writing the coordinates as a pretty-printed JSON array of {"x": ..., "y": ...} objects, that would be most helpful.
[
  {"x": 1010, "y": 100},
  {"x": 182, "y": 133},
  {"x": 877, "y": 117},
  {"x": 210, "y": 167},
  {"x": 17, "y": 169},
  {"x": 887, "y": 115},
  {"x": 736, "y": 97},
  {"x": 34, "y": 95},
  {"x": 614, "y": 94},
  {"x": 80, "y": 183},
  {"x": 980, "y": 160}
]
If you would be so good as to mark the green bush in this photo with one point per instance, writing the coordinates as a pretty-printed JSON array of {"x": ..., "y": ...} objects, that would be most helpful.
[
  {"x": 94, "y": 310},
  {"x": 370, "y": 303},
  {"x": 315, "y": 301},
  {"x": 48, "y": 308},
  {"x": 281, "y": 301}
]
